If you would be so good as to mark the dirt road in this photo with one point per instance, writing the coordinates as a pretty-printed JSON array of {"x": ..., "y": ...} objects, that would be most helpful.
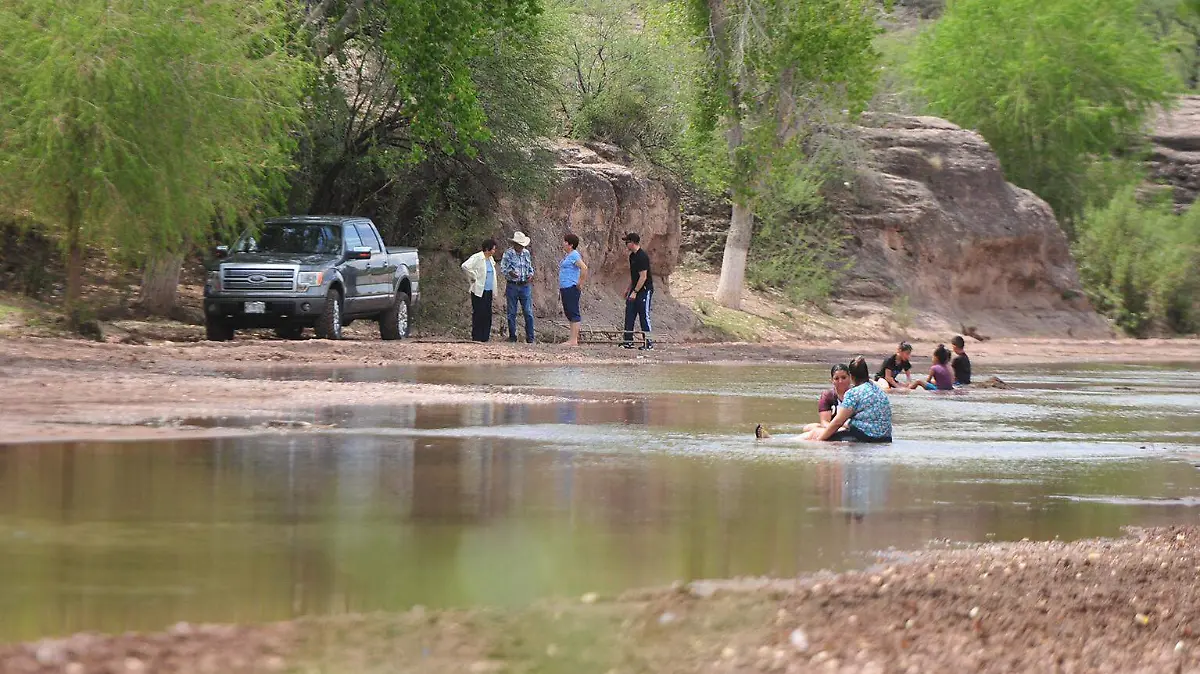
[
  {"x": 1124, "y": 605},
  {"x": 68, "y": 389}
]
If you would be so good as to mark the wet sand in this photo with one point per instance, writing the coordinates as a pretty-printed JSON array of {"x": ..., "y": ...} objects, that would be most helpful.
[
  {"x": 68, "y": 389},
  {"x": 1109, "y": 605}
]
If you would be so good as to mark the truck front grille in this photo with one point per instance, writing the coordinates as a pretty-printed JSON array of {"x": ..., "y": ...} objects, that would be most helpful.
[{"x": 249, "y": 279}]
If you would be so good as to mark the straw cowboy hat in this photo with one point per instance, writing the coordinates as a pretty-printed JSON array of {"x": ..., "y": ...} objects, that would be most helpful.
[{"x": 520, "y": 239}]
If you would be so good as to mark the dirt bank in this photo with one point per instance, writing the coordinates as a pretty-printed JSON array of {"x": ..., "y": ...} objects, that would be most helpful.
[
  {"x": 68, "y": 389},
  {"x": 1123, "y": 605}
]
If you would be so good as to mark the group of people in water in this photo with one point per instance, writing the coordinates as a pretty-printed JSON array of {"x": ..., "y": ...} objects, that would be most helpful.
[{"x": 857, "y": 408}]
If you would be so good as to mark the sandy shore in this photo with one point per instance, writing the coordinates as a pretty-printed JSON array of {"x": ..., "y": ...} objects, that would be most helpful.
[
  {"x": 1108, "y": 605},
  {"x": 68, "y": 389}
]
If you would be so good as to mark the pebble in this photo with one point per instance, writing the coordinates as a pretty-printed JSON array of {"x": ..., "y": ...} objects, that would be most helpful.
[
  {"x": 729, "y": 653},
  {"x": 134, "y": 666},
  {"x": 666, "y": 618},
  {"x": 973, "y": 613},
  {"x": 799, "y": 640},
  {"x": 1141, "y": 619},
  {"x": 1179, "y": 644},
  {"x": 909, "y": 624},
  {"x": 852, "y": 620},
  {"x": 589, "y": 598}
]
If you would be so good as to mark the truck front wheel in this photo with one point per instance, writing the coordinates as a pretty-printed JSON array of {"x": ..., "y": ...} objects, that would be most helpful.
[
  {"x": 394, "y": 323},
  {"x": 217, "y": 329},
  {"x": 329, "y": 324}
]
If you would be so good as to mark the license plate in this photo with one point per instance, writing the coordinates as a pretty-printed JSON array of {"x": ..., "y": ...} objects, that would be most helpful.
[{"x": 256, "y": 307}]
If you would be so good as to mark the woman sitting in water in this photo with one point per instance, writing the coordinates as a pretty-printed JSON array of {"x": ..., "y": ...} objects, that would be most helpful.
[
  {"x": 940, "y": 377},
  {"x": 827, "y": 404},
  {"x": 865, "y": 411}
]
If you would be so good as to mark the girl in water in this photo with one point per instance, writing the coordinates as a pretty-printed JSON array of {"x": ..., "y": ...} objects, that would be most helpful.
[
  {"x": 827, "y": 404},
  {"x": 940, "y": 377}
]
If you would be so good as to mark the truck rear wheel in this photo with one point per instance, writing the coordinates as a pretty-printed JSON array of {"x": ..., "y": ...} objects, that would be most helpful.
[
  {"x": 329, "y": 324},
  {"x": 217, "y": 329},
  {"x": 394, "y": 323}
]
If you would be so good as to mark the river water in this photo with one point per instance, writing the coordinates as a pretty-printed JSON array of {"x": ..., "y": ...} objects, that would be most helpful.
[{"x": 636, "y": 476}]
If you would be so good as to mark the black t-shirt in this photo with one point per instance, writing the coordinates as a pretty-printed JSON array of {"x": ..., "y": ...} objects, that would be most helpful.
[
  {"x": 962, "y": 369},
  {"x": 894, "y": 365},
  {"x": 639, "y": 261}
]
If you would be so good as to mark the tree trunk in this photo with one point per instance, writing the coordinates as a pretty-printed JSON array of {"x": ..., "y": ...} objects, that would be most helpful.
[
  {"x": 74, "y": 251},
  {"x": 160, "y": 283},
  {"x": 733, "y": 263}
]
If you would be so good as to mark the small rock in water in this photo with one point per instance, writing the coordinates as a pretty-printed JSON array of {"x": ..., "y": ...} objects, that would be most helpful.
[
  {"x": 799, "y": 640},
  {"x": 589, "y": 598}
]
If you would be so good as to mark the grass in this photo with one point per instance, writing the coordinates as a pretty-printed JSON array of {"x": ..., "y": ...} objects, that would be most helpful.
[{"x": 737, "y": 325}]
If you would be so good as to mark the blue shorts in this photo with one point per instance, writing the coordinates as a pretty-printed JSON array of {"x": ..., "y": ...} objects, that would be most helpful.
[{"x": 570, "y": 302}]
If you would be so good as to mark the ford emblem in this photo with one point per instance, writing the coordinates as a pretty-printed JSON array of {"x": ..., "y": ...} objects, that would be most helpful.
[{"x": 257, "y": 278}]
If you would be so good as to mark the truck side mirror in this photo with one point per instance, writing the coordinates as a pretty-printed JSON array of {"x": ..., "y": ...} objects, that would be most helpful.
[
  {"x": 222, "y": 251},
  {"x": 359, "y": 253}
]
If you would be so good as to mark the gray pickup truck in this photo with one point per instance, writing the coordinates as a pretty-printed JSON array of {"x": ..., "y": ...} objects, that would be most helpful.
[{"x": 322, "y": 272}]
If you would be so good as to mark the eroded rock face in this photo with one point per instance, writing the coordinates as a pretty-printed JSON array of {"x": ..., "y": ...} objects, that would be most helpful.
[
  {"x": 1175, "y": 150},
  {"x": 933, "y": 219},
  {"x": 599, "y": 198}
]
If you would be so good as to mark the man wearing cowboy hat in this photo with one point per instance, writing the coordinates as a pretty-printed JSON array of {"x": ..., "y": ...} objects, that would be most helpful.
[{"x": 517, "y": 268}]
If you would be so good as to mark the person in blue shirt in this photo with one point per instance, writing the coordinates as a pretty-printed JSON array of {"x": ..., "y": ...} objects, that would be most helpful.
[
  {"x": 572, "y": 272},
  {"x": 481, "y": 270},
  {"x": 865, "y": 410}
]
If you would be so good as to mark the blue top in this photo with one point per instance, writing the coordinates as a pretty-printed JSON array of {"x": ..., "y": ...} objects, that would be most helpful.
[
  {"x": 490, "y": 282},
  {"x": 872, "y": 410},
  {"x": 568, "y": 271}
]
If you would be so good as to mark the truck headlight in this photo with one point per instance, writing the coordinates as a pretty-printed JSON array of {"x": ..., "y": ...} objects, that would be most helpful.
[
  {"x": 214, "y": 281},
  {"x": 307, "y": 279}
]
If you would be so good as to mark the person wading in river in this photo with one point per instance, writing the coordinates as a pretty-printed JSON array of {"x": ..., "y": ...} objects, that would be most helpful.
[
  {"x": 639, "y": 293},
  {"x": 481, "y": 270},
  {"x": 517, "y": 268}
]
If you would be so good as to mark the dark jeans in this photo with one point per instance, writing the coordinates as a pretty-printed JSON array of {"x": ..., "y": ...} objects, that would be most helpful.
[
  {"x": 522, "y": 293},
  {"x": 852, "y": 434},
  {"x": 638, "y": 308},
  {"x": 481, "y": 316}
]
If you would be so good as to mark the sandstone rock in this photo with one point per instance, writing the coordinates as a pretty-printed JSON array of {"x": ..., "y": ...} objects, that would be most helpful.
[
  {"x": 599, "y": 200},
  {"x": 1175, "y": 149},
  {"x": 933, "y": 219}
]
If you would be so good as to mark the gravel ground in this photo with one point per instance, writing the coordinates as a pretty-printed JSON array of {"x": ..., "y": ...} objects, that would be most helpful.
[{"x": 1108, "y": 605}]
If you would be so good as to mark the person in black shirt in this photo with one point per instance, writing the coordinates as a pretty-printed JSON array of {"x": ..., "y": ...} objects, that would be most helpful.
[
  {"x": 961, "y": 364},
  {"x": 639, "y": 292},
  {"x": 895, "y": 364}
]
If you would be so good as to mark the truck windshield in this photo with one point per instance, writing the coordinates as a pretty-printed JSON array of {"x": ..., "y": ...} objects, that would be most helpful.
[{"x": 294, "y": 238}]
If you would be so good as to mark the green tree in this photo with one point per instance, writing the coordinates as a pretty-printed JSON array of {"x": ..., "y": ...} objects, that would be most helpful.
[
  {"x": 1051, "y": 84},
  {"x": 424, "y": 113},
  {"x": 778, "y": 70},
  {"x": 137, "y": 123}
]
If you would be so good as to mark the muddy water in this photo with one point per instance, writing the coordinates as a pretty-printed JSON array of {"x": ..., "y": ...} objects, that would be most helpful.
[{"x": 636, "y": 476}]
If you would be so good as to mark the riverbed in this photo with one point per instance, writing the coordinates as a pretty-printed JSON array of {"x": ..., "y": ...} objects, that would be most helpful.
[{"x": 559, "y": 480}]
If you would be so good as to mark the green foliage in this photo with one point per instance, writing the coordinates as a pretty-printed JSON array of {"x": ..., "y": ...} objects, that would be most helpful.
[
  {"x": 799, "y": 247},
  {"x": 1140, "y": 263},
  {"x": 624, "y": 69},
  {"x": 369, "y": 146},
  {"x": 1176, "y": 25},
  {"x": 1051, "y": 84},
  {"x": 139, "y": 122}
]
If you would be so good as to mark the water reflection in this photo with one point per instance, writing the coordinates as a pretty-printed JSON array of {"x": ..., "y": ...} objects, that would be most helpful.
[{"x": 137, "y": 536}]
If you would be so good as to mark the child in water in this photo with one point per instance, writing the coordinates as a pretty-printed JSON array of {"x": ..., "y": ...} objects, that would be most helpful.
[
  {"x": 961, "y": 364},
  {"x": 940, "y": 377},
  {"x": 895, "y": 364}
]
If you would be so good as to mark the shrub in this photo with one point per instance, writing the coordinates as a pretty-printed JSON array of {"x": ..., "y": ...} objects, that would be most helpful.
[{"x": 1140, "y": 263}]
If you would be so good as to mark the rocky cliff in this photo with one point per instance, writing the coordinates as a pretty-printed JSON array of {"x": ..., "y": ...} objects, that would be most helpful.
[
  {"x": 1175, "y": 150},
  {"x": 599, "y": 197},
  {"x": 932, "y": 218}
]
